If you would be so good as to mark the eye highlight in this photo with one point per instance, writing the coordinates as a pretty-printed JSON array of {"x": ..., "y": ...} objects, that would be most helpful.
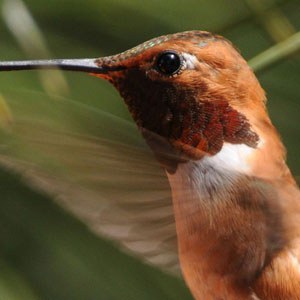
[{"x": 169, "y": 63}]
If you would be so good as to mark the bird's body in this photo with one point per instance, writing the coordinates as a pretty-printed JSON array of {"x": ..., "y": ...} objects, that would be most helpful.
[
  {"x": 236, "y": 205},
  {"x": 243, "y": 244}
]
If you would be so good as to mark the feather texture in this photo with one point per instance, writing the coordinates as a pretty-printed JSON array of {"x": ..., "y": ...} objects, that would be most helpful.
[{"x": 97, "y": 167}]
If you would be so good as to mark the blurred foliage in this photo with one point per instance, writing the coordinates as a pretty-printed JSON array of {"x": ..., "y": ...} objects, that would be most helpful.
[{"x": 44, "y": 252}]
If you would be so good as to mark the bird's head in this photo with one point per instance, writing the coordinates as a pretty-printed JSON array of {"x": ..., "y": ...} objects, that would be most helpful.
[{"x": 192, "y": 90}]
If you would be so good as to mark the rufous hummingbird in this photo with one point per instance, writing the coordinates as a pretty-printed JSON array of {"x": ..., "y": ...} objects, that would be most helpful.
[{"x": 203, "y": 113}]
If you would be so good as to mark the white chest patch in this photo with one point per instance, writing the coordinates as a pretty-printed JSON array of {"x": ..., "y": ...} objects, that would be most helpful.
[
  {"x": 231, "y": 158},
  {"x": 212, "y": 172}
]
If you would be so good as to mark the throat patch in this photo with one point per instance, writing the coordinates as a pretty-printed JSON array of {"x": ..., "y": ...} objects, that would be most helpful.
[
  {"x": 193, "y": 127},
  {"x": 205, "y": 126}
]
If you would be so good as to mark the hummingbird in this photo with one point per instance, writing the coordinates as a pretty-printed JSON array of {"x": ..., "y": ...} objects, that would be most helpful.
[{"x": 202, "y": 111}]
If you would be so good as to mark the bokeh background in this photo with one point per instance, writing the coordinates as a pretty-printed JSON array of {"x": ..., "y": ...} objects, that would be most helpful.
[{"x": 45, "y": 253}]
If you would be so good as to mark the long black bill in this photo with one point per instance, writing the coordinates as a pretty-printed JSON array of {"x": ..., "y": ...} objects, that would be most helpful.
[{"x": 88, "y": 65}]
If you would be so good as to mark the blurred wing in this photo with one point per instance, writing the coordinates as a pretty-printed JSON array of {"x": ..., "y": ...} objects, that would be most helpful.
[{"x": 96, "y": 166}]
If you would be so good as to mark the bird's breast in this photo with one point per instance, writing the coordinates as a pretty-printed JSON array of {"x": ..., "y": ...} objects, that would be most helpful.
[{"x": 228, "y": 223}]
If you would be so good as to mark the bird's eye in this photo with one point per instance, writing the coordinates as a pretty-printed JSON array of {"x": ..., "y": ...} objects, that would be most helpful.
[{"x": 169, "y": 63}]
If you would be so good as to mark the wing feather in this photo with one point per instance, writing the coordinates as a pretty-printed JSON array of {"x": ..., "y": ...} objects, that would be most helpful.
[{"x": 97, "y": 167}]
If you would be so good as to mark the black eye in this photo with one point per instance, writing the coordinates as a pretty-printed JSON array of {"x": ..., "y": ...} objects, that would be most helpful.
[{"x": 169, "y": 63}]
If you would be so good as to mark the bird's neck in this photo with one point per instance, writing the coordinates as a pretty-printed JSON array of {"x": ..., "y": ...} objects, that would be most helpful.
[{"x": 226, "y": 221}]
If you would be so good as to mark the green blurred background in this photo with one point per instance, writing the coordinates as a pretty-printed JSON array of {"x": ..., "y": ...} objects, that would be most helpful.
[{"x": 44, "y": 252}]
